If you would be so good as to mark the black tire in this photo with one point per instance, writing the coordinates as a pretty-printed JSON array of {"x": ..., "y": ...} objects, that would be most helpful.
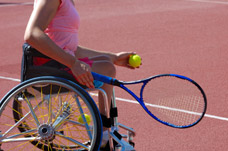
[{"x": 57, "y": 104}]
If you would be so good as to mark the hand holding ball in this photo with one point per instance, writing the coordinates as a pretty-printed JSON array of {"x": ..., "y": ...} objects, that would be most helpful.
[{"x": 135, "y": 60}]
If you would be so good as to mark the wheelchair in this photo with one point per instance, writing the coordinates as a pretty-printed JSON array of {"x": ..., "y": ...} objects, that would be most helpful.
[{"x": 50, "y": 111}]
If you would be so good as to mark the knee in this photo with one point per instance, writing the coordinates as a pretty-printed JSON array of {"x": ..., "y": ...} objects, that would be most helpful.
[
  {"x": 109, "y": 68},
  {"x": 105, "y": 67}
]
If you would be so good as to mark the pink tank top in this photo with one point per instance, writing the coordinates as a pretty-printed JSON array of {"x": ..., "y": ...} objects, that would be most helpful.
[{"x": 63, "y": 29}]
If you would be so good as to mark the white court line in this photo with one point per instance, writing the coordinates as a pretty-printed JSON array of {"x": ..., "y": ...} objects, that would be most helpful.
[
  {"x": 15, "y": 4},
  {"x": 157, "y": 106},
  {"x": 12, "y": 79},
  {"x": 133, "y": 102},
  {"x": 211, "y": 1}
]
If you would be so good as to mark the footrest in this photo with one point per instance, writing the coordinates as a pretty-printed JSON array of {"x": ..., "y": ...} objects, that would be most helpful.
[{"x": 125, "y": 146}]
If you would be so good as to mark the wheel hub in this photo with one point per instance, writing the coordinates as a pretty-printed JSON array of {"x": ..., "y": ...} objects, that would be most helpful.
[{"x": 46, "y": 132}]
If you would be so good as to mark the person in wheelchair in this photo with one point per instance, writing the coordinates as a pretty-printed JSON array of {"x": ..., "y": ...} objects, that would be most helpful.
[{"x": 52, "y": 32}]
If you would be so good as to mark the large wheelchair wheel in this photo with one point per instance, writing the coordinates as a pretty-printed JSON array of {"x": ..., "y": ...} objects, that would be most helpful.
[{"x": 51, "y": 114}]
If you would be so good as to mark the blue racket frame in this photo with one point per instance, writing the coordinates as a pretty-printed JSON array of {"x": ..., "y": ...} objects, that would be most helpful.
[{"x": 121, "y": 84}]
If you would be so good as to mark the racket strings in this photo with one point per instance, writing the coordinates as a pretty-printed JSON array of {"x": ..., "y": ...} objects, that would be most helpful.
[
  {"x": 174, "y": 101},
  {"x": 177, "y": 111}
]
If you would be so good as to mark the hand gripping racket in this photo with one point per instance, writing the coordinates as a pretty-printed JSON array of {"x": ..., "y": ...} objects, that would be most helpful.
[{"x": 171, "y": 99}]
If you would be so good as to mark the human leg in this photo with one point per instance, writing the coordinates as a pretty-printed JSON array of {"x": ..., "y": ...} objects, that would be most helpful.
[{"x": 104, "y": 66}]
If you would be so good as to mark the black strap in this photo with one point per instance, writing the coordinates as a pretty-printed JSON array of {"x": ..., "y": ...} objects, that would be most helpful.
[
  {"x": 113, "y": 112},
  {"x": 108, "y": 122}
]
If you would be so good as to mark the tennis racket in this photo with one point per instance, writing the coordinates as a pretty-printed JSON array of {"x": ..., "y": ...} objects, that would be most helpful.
[{"x": 174, "y": 100}]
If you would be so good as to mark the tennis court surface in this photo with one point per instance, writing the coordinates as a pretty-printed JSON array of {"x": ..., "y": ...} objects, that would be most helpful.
[{"x": 186, "y": 37}]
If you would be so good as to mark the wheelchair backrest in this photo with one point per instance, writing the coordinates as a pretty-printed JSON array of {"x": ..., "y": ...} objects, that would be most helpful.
[{"x": 30, "y": 69}]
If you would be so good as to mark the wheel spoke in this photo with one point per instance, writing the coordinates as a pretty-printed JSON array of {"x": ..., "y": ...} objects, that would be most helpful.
[
  {"x": 72, "y": 140},
  {"x": 44, "y": 112}
]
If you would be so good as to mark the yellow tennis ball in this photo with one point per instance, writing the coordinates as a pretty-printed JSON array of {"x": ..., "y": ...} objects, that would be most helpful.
[
  {"x": 87, "y": 117},
  {"x": 135, "y": 60}
]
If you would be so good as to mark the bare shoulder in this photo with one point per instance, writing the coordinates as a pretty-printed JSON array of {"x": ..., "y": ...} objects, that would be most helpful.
[
  {"x": 44, "y": 11},
  {"x": 47, "y": 4}
]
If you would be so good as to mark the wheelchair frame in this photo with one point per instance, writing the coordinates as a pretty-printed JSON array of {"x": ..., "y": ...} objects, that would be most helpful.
[{"x": 121, "y": 144}]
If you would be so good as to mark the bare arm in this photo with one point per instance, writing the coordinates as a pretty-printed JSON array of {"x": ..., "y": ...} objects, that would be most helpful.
[
  {"x": 34, "y": 33},
  {"x": 83, "y": 52},
  {"x": 120, "y": 59},
  {"x": 41, "y": 16}
]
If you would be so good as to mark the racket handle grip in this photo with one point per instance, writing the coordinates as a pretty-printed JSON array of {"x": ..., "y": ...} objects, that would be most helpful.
[{"x": 102, "y": 78}]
